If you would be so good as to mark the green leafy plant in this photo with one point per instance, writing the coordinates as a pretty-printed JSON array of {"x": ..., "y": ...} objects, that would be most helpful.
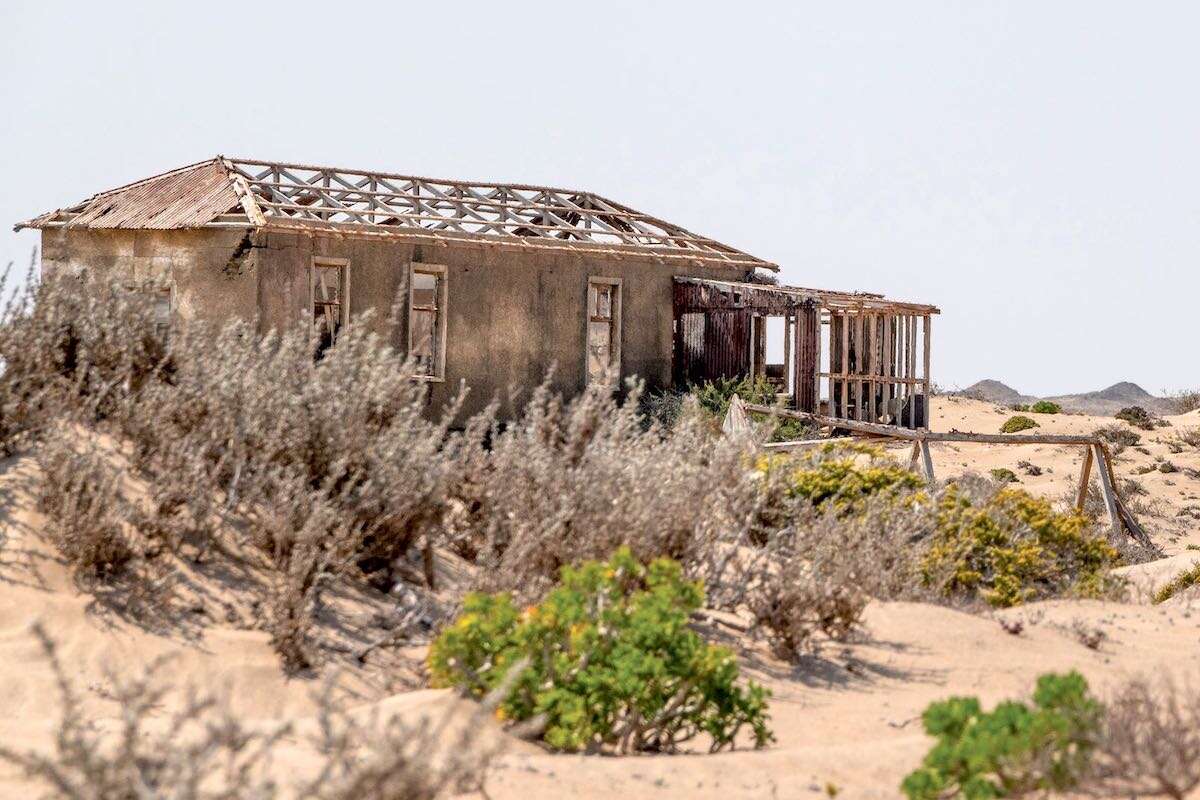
[
  {"x": 1046, "y": 407},
  {"x": 1018, "y": 423},
  {"x": 612, "y": 663},
  {"x": 1010, "y": 547},
  {"x": 715, "y": 396},
  {"x": 1014, "y": 749}
]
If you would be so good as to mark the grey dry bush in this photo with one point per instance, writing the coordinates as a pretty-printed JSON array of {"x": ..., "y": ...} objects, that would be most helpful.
[
  {"x": 202, "y": 751},
  {"x": 80, "y": 495},
  {"x": 573, "y": 480},
  {"x": 1149, "y": 741}
]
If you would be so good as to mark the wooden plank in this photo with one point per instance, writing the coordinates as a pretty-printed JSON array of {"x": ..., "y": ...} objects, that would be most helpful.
[
  {"x": 894, "y": 432},
  {"x": 1085, "y": 475},
  {"x": 817, "y": 343},
  {"x": 788, "y": 332},
  {"x": 926, "y": 459},
  {"x": 1107, "y": 486},
  {"x": 914, "y": 456},
  {"x": 872, "y": 364},
  {"x": 925, "y": 370},
  {"x": 801, "y": 444},
  {"x": 845, "y": 366},
  {"x": 912, "y": 371}
]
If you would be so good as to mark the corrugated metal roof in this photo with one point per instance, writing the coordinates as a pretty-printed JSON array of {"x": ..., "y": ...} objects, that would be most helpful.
[{"x": 186, "y": 198}]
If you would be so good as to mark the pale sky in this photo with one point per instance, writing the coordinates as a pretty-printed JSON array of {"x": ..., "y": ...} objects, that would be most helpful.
[{"x": 1032, "y": 168}]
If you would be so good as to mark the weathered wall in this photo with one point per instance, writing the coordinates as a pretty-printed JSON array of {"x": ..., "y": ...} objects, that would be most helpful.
[
  {"x": 511, "y": 314},
  {"x": 206, "y": 281}
]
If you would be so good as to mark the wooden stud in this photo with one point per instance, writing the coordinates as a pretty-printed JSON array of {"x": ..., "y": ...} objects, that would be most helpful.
[
  {"x": 1107, "y": 486},
  {"x": 1085, "y": 475},
  {"x": 845, "y": 409},
  {"x": 926, "y": 459},
  {"x": 928, "y": 382}
]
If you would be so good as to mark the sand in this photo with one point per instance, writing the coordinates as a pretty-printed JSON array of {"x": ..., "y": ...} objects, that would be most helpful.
[{"x": 847, "y": 719}]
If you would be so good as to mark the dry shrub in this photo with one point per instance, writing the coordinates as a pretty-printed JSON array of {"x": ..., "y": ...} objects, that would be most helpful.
[
  {"x": 576, "y": 479},
  {"x": 1184, "y": 401},
  {"x": 1149, "y": 741},
  {"x": 72, "y": 347},
  {"x": 1189, "y": 436},
  {"x": 202, "y": 751},
  {"x": 1119, "y": 436},
  {"x": 817, "y": 574},
  {"x": 199, "y": 752},
  {"x": 81, "y": 495}
]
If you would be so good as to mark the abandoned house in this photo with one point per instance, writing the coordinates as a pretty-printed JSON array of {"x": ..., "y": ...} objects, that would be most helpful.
[{"x": 503, "y": 282}]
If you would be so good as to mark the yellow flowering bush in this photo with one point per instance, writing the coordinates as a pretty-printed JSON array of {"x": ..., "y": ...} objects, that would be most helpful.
[{"x": 1013, "y": 547}]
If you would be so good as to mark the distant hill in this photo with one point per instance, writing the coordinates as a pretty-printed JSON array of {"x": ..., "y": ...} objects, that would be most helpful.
[
  {"x": 1104, "y": 402},
  {"x": 1113, "y": 399},
  {"x": 994, "y": 391}
]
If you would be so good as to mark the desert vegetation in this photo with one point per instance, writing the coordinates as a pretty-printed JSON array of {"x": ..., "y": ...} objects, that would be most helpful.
[
  {"x": 1143, "y": 740},
  {"x": 1018, "y": 423},
  {"x": 593, "y": 536}
]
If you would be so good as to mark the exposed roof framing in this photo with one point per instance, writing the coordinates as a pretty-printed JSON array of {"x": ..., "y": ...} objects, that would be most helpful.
[
  {"x": 841, "y": 302},
  {"x": 224, "y": 192}
]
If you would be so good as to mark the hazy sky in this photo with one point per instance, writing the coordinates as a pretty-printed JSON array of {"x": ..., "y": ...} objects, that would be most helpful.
[{"x": 1032, "y": 168}]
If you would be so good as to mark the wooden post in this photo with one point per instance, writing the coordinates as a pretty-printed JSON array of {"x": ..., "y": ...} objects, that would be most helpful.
[
  {"x": 1107, "y": 486},
  {"x": 926, "y": 460},
  {"x": 912, "y": 371},
  {"x": 788, "y": 332},
  {"x": 916, "y": 454},
  {"x": 928, "y": 383},
  {"x": 845, "y": 366},
  {"x": 1085, "y": 475},
  {"x": 872, "y": 366},
  {"x": 820, "y": 332}
]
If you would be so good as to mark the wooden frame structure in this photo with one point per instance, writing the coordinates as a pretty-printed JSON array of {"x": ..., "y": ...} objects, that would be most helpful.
[
  {"x": 854, "y": 356},
  {"x": 271, "y": 195},
  {"x": 1095, "y": 454}
]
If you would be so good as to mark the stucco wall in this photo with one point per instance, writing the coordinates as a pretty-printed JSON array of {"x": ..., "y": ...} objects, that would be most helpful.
[
  {"x": 511, "y": 314},
  {"x": 205, "y": 283}
]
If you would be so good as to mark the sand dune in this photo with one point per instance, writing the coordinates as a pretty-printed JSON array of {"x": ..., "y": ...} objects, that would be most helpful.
[{"x": 847, "y": 719}]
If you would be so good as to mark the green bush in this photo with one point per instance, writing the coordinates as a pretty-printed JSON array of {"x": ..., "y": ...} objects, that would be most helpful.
[
  {"x": 1003, "y": 475},
  {"x": 1136, "y": 416},
  {"x": 715, "y": 396},
  {"x": 1045, "y": 407},
  {"x": 1013, "y": 750},
  {"x": 612, "y": 663},
  {"x": 833, "y": 475},
  {"x": 1011, "y": 547},
  {"x": 1018, "y": 423}
]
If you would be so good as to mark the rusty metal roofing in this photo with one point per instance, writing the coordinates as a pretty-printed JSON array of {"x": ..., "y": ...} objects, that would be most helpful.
[
  {"x": 184, "y": 198},
  {"x": 829, "y": 299},
  {"x": 225, "y": 192}
]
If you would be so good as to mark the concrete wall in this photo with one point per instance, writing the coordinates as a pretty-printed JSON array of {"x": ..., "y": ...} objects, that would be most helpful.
[
  {"x": 206, "y": 281},
  {"x": 511, "y": 314}
]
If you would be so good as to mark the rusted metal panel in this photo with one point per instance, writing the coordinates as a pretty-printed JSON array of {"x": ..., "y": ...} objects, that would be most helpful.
[{"x": 187, "y": 198}]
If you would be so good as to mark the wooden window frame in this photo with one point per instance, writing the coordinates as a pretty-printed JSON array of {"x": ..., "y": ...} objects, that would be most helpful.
[
  {"x": 323, "y": 261},
  {"x": 618, "y": 328},
  {"x": 441, "y": 272}
]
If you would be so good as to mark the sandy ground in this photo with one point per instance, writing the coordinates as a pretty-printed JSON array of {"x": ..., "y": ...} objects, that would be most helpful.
[{"x": 848, "y": 719}]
